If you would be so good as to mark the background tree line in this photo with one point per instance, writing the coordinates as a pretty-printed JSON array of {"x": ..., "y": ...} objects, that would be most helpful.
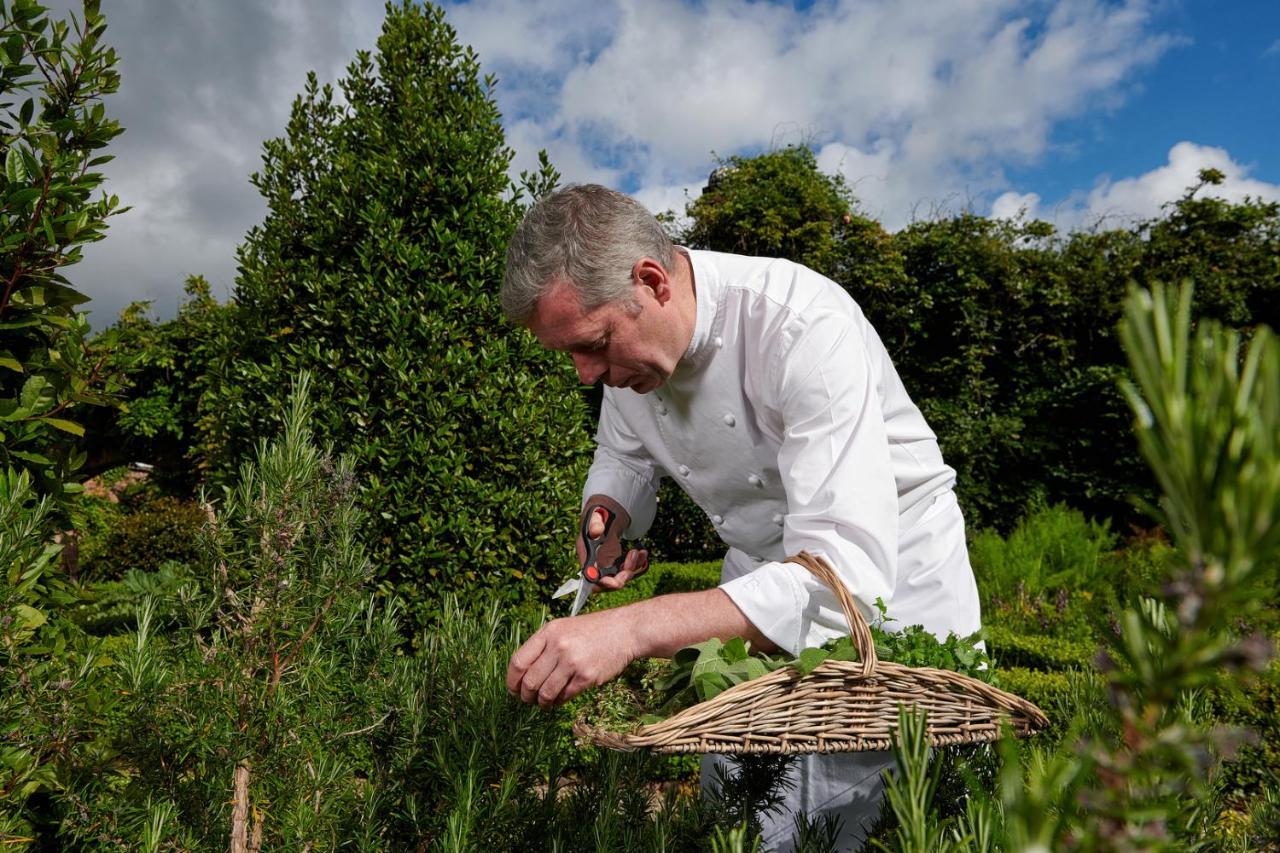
[{"x": 1003, "y": 331}]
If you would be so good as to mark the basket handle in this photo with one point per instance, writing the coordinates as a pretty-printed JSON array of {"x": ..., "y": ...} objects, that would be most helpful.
[{"x": 858, "y": 630}]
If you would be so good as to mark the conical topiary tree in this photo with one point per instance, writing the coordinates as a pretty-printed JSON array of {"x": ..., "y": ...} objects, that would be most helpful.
[{"x": 377, "y": 269}]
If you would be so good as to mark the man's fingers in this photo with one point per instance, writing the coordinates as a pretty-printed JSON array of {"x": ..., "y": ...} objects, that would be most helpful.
[
  {"x": 637, "y": 563},
  {"x": 536, "y": 675},
  {"x": 522, "y": 660},
  {"x": 595, "y": 527},
  {"x": 552, "y": 687}
]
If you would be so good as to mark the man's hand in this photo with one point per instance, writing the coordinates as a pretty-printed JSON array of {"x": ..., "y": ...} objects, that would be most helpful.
[
  {"x": 636, "y": 562},
  {"x": 566, "y": 656}
]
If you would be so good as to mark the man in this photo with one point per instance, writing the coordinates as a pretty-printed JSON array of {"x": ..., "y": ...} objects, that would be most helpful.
[{"x": 762, "y": 389}]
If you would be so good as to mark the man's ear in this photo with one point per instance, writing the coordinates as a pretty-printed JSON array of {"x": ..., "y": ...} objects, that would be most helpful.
[{"x": 650, "y": 274}]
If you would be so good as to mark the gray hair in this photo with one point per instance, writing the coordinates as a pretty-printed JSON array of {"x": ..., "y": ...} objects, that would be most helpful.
[{"x": 587, "y": 234}]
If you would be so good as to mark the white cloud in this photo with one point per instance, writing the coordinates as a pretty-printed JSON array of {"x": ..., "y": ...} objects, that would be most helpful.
[
  {"x": 1013, "y": 205},
  {"x": 1273, "y": 49},
  {"x": 1122, "y": 202},
  {"x": 1145, "y": 195},
  {"x": 919, "y": 105}
]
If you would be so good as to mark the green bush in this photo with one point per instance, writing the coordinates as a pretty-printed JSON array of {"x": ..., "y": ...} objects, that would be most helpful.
[
  {"x": 688, "y": 577},
  {"x": 53, "y": 79},
  {"x": 166, "y": 370},
  {"x": 1049, "y": 548},
  {"x": 377, "y": 269},
  {"x": 1011, "y": 649},
  {"x": 1256, "y": 766},
  {"x": 160, "y": 530},
  {"x": 111, "y": 607}
]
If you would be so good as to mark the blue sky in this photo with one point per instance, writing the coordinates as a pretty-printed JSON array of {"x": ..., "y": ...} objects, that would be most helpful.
[
  {"x": 1218, "y": 87},
  {"x": 1077, "y": 111}
]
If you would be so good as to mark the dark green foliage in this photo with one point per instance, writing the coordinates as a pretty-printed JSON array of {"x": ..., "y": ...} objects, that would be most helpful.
[
  {"x": 688, "y": 577},
  {"x": 52, "y": 81},
  {"x": 1255, "y": 706},
  {"x": 53, "y": 689},
  {"x": 773, "y": 205},
  {"x": 111, "y": 607},
  {"x": 377, "y": 269},
  {"x": 167, "y": 368},
  {"x": 157, "y": 531},
  {"x": 1050, "y": 548}
]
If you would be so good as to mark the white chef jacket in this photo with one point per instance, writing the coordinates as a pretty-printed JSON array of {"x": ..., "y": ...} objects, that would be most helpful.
[{"x": 786, "y": 422}]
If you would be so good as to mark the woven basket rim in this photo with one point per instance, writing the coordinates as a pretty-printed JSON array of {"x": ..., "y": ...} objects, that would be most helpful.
[{"x": 868, "y": 672}]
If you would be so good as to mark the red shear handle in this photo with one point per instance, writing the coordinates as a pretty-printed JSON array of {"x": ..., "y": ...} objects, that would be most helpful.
[{"x": 591, "y": 570}]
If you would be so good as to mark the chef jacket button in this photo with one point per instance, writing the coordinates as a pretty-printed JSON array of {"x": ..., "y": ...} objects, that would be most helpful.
[
  {"x": 717, "y": 519},
  {"x": 777, "y": 518},
  {"x": 662, "y": 410},
  {"x": 754, "y": 480},
  {"x": 719, "y": 341},
  {"x": 684, "y": 470},
  {"x": 730, "y": 420}
]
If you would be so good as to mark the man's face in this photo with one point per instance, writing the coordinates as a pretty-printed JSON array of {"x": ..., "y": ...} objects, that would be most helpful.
[{"x": 624, "y": 346}]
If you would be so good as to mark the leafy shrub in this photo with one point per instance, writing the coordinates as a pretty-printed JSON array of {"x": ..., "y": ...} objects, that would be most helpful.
[
  {"x": 53, "y": 79},
  {"x": 166, "y": 370},
  {"x": 377, "y": 269},
  {"x": 1049, "y": 548},
  {"x": 160, "y": 530},
  {"x": 688, "y": 577},
  {"x": 111, "y": 607},
  {"x": 1256, "y": 767},
  {"x": 53, "y": 694},
  {"x": 1012, "y": 649}
]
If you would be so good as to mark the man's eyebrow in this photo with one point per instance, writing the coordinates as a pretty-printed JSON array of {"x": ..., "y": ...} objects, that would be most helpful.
[{"x": 594, "y": 343}]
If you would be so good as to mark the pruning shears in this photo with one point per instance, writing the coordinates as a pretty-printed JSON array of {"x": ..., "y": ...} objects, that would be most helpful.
[{"x": 591, "y": 572}]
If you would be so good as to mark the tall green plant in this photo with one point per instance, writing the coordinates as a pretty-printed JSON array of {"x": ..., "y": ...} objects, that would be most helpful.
[
  {"x": 248, "y": 717},
  {"x": 1208, "y": 422},
  {"x": 53, "y": 126},
  {"x": 53, "y": 690},
  {"x": 377, "y": 269}
]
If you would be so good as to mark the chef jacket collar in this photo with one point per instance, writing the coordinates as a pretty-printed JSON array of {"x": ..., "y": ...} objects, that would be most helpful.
[{"x": 707, "y": 322}]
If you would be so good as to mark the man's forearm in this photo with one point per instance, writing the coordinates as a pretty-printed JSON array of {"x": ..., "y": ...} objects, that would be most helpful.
[{"x": 661, "y": 626}]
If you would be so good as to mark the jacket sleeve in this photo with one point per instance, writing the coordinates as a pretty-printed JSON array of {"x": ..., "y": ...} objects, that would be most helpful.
[
  {"x": 842, "y": 499},
  {"x": 623, "y": 469}
]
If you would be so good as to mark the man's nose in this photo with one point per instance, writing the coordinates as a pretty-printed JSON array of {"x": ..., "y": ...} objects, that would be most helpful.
[{"x": 590, "y": 368}]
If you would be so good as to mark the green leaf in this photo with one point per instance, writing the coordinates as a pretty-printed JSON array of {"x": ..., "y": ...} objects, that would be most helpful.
[
  {"x": 64, "y": 425},
  {"x": 14, "y": 169},
  {"x": 32, "y": 390},
  {"x": 809, "y": 660},
  {"x": 7, "y": 360},
  {"x": 29, "y": 617},
  {"x": 735, "y": 650}
]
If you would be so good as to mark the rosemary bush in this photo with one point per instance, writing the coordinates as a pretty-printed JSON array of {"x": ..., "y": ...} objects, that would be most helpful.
[{"x": 1139, "y": 772}]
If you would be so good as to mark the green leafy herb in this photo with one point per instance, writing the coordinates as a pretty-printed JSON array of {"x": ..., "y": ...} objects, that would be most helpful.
[{"x": 704, "y": 670}]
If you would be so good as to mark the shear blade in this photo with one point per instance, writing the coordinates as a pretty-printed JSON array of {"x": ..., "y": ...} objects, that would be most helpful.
[
  {"x": 571, "y": 585},
  {"x": 584, "y": 590}
]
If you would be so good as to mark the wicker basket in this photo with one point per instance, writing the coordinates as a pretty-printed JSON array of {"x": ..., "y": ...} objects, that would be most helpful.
[{"x": 841, "y": 706}]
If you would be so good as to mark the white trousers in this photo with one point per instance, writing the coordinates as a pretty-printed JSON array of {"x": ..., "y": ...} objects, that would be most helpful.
[
  {"x": 936, "y": 589},
  {"x": 845, "y": 785}
]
